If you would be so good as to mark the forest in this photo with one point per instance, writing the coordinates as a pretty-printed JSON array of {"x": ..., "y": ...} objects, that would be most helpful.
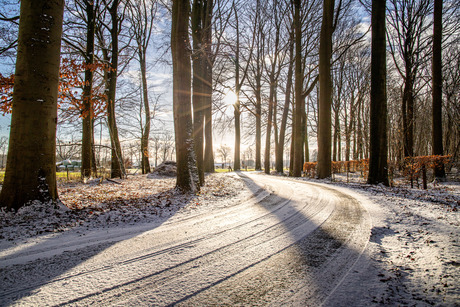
[
  {"x": 229, "y": 152},
  {"x": 300, "y": 87}
]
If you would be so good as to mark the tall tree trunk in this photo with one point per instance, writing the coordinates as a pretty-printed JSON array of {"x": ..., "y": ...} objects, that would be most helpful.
[
  {"x": 336, "y": 136},
  {"x": 198, "y": 62},
  {"x": 272, "y": 100},
  {"x": 88, "y": 130},
  {"x": 305, "y": 137},
  {"x": 93, "y": 153},
  {"x": 117, "y": 165},
  {"x": 325, "y": 93},
  {"x": 359, "y": 134},
  {"x": 207, "y": 87},
  {"x": 146, "y": 129},
  {"x": 378, "y": 165},
  {"x": 299, "y": 108},
  {"x": 187, "y": 173},
  {"x": 339, "y": 149},
  {"x": 237, "y": 112},
  {"x": 31, "y": 161},
  {"x": 438, "y": 149},
  {"x": 268, "y": 132},
  {"x": 408, "y": 114},
  {"x": 291, "y": 154},
  {"x": 287, "y": 103},
  {"x": 258, "y": 95}
]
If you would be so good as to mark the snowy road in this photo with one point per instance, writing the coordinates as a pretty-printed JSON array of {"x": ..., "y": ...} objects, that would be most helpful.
[{"x": 285, "y": 243}]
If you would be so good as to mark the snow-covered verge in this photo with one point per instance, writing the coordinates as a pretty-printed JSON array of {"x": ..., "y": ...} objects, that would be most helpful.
[
  {"x": 413, "y": 256},
  {"x": 95, "y": 204}
]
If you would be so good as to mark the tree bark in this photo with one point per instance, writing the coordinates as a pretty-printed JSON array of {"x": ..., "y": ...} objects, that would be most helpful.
[
  {"x": 306, "y": 157},
  {"x": 439, "y": 171},
  {"x": 325, "y": 93},
  {"x": 187, "y": 173},
  {"x": 287, "y": 103},
  {"x": 146, "y": 129},
  {"x": 207, "y": 88},
  {"x": 87, "y": 112},
  {"x": 378, "y": 165},
  {"x": 258, "y": 95},
  {"x": 299, "y": 108},
  {"x": 31, "y": 162},
  {"x": 237, "y": 112},
  {"x": 269, "y": 122},
  {"x": 408, "y": 113},
  {"x": 117, "y": 164},
  {"x": 199, "y": 75}
]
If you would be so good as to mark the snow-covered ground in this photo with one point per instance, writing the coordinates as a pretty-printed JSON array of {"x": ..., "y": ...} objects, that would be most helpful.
[
  {"x": 137, "y": 200},
  {"x": 412, "y": 256},
  {"x": 414, "y": 248}
]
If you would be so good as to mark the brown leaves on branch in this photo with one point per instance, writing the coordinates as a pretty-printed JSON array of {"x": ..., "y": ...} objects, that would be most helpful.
[
  {"x": 71, "y": 84},
  {"x": 6, "y": 93},
  {"x": 414, "y": 167}
]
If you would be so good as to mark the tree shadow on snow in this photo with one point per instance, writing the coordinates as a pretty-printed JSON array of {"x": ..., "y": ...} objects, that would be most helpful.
[
  {"x": 313, "y": 257},
  {"x": 52, "y": 257}
]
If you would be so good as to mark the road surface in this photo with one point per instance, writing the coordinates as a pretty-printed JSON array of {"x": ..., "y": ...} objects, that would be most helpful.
[{"x": 286, "y": 243}]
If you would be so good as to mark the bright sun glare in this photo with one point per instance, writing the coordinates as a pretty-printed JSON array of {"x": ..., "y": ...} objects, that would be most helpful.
[{"x": 230, "y": 98}]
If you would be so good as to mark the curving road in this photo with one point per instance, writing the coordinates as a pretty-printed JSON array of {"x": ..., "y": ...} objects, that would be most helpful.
[{"x": 288, "y": 243}]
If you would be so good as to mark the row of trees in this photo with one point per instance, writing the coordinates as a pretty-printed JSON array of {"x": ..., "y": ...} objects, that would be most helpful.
[
  {"x": 328, "y": 88},
  {"x": 298, "y": 69}
]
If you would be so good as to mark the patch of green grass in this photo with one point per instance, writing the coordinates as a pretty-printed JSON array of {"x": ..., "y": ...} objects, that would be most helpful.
[{"x": 73, "y": 176}]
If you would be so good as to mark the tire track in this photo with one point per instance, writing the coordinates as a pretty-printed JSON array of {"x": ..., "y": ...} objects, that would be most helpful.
[{"x": 271, "y": 249}]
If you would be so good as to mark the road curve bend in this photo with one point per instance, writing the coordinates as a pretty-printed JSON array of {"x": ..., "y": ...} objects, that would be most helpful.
[{"x": 288, "y": 243}]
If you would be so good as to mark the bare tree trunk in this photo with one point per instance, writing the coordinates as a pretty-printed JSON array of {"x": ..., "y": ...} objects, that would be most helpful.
[
  {"x": 305, "y": 137},
  {"x": 359, "y": 129},
  {"x": 237, "y": 112},
  {"x": 197, "y": 85},
  {"x": 187, "y": 173},
  {"x": 287, "y": 103},
  {"x": 146, "y": 130},
  {"x": 88, "y": 129},
  {"x": 378, "y": 165},
  {"x": 258, "y": 84},
  {"x": 207, "y": 87},
  {"x": 268, "y": 132},
  {"x": 117, "y": 165},
  {"x": 439, "y": 171},
  {"x": 201, "y": 14},
  {"x": 299, "y": 108},
  {"x": 325, "y": 94},
  {"x": 258, "y": 166},
  {"x": 336, "y": 136},
  {"x": 31, "y": 162},
  {"x": 408, "y": 115}
]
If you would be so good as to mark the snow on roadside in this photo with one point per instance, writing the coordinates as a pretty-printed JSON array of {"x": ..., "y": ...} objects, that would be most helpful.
[
  {"x": 414, "y": 249},
  {"x": 138, "y": 199}
]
